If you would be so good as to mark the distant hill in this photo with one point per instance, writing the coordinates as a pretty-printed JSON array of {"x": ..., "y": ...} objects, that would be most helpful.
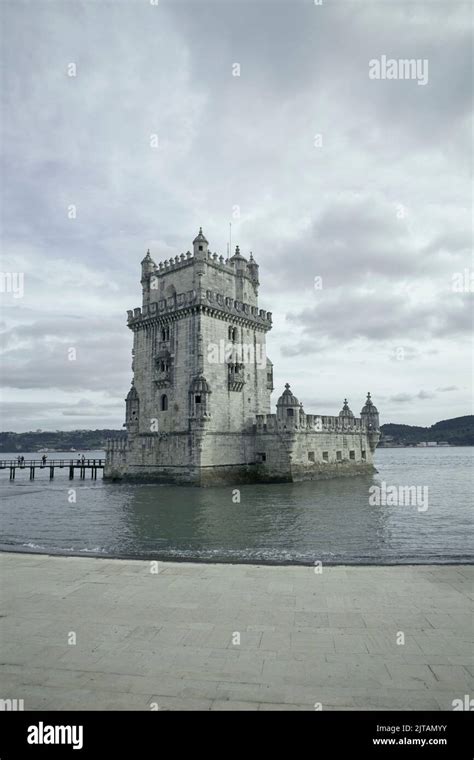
[
  {"x": 457, "y": 432},
  {"x": 81, "y": 440}
]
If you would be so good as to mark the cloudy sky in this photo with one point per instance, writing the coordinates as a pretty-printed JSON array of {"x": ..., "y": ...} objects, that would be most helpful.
[{"x": 363, "y": 183}]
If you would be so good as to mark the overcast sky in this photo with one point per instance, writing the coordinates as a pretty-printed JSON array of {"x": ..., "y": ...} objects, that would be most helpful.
[{"x": 364, "y": 183}]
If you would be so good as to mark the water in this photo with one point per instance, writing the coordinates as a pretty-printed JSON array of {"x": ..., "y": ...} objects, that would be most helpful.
[{"x": 331, "y": 521}]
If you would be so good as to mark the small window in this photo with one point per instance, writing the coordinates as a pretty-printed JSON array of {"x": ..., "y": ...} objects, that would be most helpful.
[
  {"x": 269, "y": 377},
  {"x": 289, "y": 412},
  {"x": 164, "y": 403},
  {"x": 311, "y": 456},
  {"x": 261, "y": 456},
  {"x": 200, "y": 247},
  {"x": 352, "y": 455},
  {"x": 339, "y": 456},
  {"x": 363, "y": 454},
  {"x": 165, "y": 333},
  {"x": 326, "y": 456},
  {"x": 197, "y": 399}
]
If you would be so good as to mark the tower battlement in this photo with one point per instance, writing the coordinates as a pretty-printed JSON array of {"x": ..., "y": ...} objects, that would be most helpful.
[{"x": 209, "y": 298}]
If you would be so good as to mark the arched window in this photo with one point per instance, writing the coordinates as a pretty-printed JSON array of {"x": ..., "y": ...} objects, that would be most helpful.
[
  {"x": 165, "y": 333},
  {"x": 164, "y": 402}
]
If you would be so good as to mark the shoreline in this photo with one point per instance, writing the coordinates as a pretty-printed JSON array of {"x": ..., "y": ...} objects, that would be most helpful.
[
  {"x": 84, "y": 554},
  {"x": 204, "y": 636}
]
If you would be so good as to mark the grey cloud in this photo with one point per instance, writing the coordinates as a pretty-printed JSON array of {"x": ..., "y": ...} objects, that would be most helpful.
[
  {"x": 404, "y": 398},
  {"x": 401, "y": 398},
  {"x": 36, "y": 355},
  {"x": 344, "y": 316},
  {"x": 425, "y": 394},
  {"x": 223, "y": 141}
]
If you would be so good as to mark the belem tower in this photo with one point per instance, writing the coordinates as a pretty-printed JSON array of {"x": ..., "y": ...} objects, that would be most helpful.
[{"x": 199, "y": 409}]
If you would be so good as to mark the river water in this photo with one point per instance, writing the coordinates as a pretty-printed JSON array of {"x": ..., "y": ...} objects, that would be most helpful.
[{"x": 333, "y": 521}]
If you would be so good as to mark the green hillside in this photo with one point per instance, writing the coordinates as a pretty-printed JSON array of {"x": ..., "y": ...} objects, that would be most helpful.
[
  {"x": 457, "y": 432},
  {"x": 56, "y": 441}
]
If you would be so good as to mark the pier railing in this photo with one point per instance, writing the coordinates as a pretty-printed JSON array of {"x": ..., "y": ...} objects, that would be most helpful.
[{"x": 83, "y": 465}]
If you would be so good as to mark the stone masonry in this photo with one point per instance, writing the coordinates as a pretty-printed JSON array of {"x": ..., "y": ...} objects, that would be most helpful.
[{"x": 199, "y": 409}]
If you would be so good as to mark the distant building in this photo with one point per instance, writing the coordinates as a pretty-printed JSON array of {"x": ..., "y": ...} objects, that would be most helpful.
[{"x": 199, "y": 409}]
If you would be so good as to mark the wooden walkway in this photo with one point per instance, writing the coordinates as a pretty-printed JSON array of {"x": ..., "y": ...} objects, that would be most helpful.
[{"x": 82, "y": 465}]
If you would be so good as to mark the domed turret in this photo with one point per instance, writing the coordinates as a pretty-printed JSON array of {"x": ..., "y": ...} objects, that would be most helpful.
[
  {"x": 288, "y": 407},
  {"x": 148, "y": 265},
  {"x": 200, "y": 245},
  {"x": 237, "y": 255},
  {"x": 369, "y": 406},
  {"x": 345, "y": 411},
  {"x": 287, "y": 398},
  {"x": 239, "y": 262},
  {"x": 370, "y": 414}
]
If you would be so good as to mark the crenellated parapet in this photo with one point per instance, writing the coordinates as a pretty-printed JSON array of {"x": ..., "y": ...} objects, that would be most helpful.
[
  {"x": 226, "y": 265},
  {"x": 207, "y": 299},
  {"x": 315, "y": 423}
]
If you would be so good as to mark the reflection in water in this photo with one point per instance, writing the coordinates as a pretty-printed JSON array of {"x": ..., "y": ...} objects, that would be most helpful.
[{"x": 303, "y": 522}]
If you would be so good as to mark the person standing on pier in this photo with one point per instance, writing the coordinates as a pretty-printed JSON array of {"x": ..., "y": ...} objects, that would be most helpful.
[{"x": 43, "y": 459}]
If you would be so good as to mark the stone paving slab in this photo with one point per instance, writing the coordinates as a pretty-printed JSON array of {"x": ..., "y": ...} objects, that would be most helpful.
[{"x": 233, "y": 637}]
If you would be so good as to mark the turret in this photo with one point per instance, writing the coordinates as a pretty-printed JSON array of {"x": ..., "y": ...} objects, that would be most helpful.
[
  {"x": 238, "y": 261},
  {"x": 148, "y": 265},
  {"x": 200, "y": 245},
  {"x": 288, "y": 408},
  {"x": 345, "y": 415},
  {"x": 252, "y": 268},
  {"x": 370, "y": 419},
  {"x": 199, "y": 399},
  {"x": 147, "y": 280},
  {"x": 132, "y": 410},
  {"x": 370, "y": 414}
]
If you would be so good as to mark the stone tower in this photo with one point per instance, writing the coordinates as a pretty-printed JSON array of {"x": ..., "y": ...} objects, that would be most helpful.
[
  {"x": 199, "y": 409},
  {"x": 199, "y": 361}
]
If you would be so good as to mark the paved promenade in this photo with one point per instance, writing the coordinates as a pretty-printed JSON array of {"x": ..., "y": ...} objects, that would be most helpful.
[{"x": 171, "y": 639}]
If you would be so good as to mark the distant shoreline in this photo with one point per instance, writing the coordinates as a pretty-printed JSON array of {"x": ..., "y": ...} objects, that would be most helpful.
[{"x": 77, "y": 452}]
